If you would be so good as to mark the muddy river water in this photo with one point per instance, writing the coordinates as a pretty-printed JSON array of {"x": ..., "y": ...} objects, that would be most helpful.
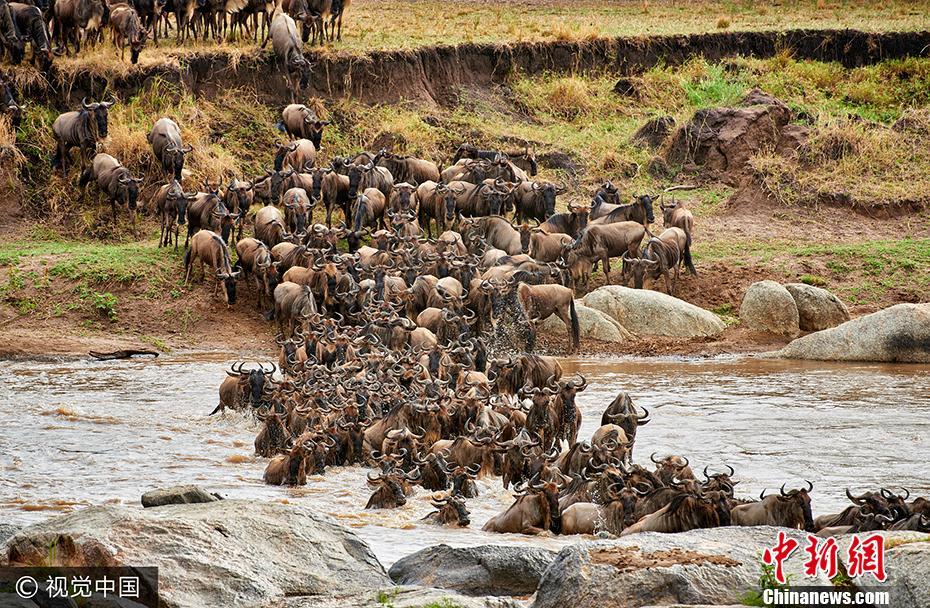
[{"x": 82, "y": 433}]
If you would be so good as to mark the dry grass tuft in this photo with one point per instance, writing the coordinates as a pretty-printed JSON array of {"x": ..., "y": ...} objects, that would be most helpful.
[
  {"x": 723, "y": 23},
  {"x": 569, "y": 97}
]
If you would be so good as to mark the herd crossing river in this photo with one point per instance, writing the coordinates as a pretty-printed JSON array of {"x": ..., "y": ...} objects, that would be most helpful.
[{"x": 105, "y": 432}]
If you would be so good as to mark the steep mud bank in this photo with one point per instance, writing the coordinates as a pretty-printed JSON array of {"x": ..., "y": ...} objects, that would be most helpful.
[{"x": 432, "y": 74}]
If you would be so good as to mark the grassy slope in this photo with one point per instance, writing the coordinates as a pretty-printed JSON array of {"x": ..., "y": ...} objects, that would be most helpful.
[{"x": 100, "y": 286}]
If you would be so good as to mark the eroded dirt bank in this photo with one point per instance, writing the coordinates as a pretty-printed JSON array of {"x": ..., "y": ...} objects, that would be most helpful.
[{"x": 433, "y": 74}]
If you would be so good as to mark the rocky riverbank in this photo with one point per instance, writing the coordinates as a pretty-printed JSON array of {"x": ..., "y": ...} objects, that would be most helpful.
[{"x": 236, "y": 553}]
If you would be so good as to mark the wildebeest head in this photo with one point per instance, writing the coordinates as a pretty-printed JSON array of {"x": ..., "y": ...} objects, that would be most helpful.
[
  {"x": 256, "y": 379},
  {"x": 404, "y": 195},
  {"x": 547, "y": 192},
  {"x": 448, "y": 202},
  {"x": 237, "y": 195},
  {"x": 128, "y": 191},
  {"x": 608, "y": 193},
  {"x": 667, "y": 212},
  {"x": 897, "y": 503},
  {"x": 389, "y": 492},
  {"x": 298, "y": 212},
  {"x": 798, "y": 500},
  {"x": 451, "y": 512},
  {"x": 12, "y": 109},
  {"x": 174, "y": 158},
  {"x": 871, "y": 502},
  {"x": 356, "y": 172},
  {"x": 638, "y": 269},
  {"x": 180, "y": 199},
  {"x": 314, "y": 128},
  {"x": 672, "y": 467},
  {"x": 282, "y": 152},
  {"x": 647, "y": 202},
  {"x": 229, "y": 284},
  {"x": 721, "y": 502},
  {"x": 719, "y": 481},
  {"x": 100, "y": 111},
  {"x": 136, "y": 45}
]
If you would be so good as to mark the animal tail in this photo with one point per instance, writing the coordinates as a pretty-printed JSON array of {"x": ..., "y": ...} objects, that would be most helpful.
[
  {"x": 85, "y": 177},
  {"x": 187, "y": 258},
  {"x": 216, "y": 409},
  {"x": 576, "y": 328},
  {"x": 688, "y": 262}
]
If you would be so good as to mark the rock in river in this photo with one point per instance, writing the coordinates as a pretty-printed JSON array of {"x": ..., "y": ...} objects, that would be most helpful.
[
  {"x": 484, "y": 570},
  {"x": 769, "y": 307},
  {"x": 900, "y": 334},
  {"x": 226, "y": 553},
  {"x": 817, "y": 308},
  {"x": 591, "y": 323},
  {"x": 177, "y": 495},
  {"x": 716, "y": 566},
  {"x": 647, "y": 312}
]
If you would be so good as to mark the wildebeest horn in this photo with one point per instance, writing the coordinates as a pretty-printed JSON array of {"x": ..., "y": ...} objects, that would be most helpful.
[
  {"x": 782, "y": 490},
  {"x": 652, "y": 457},
  {"x": 732, "y": 470},
  {"x": 810, "y": 485},
  {"x": 84, "y": 104},
  {"x": 705, "y": 473}
]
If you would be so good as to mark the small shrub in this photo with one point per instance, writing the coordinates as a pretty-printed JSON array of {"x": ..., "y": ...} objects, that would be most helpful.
[
  {"x": 813, "y": 279},
  {"x": 723, "y": 23}
]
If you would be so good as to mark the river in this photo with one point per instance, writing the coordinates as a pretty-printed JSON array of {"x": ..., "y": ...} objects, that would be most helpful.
[{"x": 83, "y": 433}]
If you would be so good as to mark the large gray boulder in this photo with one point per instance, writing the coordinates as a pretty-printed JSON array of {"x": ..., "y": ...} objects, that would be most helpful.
[
  {"x": 591, "y": 323},
  {"x": 900, "y": 333},
  {"x": 177, "y": 495},
  {"x": 7, "y": 530},
  {"x": 767, "y": 306},
  {"x": 647, "y": 312},
  {"x": 817, "y": 308},
  {"x": 484, "y": 570},
  {"x": 716, "y": 566},
  {"x": 225, "y": 553}
]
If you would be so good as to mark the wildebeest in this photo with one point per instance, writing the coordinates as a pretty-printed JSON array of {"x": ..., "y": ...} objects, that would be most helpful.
[
  {"x": 207, "y": 210},
  {"x": 685, "y": 512},
  {"x": 31, "y": 26},
  {"x": 171, "y": 205},
  {"x": 288, "y": 53},
  {"x": 301, "y": 122},
  {"x": 254, "y": 258},
  {"x": 127, "y": 30},
  {"x": 436, "y": 202},
  {"x": 293, "y": 303},
  {"x": 299, "y": 155},
  {"x": 270, "y": 227},
  {"x": 290, "y": 469},
  {"x": 408, "y": 169},
  {"x": 13, "y": 43},
  {"x": 336, "y": 10},
  {"x": 362, "y": 176},
  {"x": 243, "y": 387},
  {"x": 662, "y": 255},
  {"x": 114, "y": 179},
  {"x": 535, "y": 510},
  {"x": 535, "y": 200},
  {"x": 73, "y": 18},
  {"x": 207, "y": 247},
  {"x": 788, "y": 509},
  {"x": 450, "y": 511},
  {"x": 571, "y": 223},
  {"x": 640, "y": 211},
  {"x": 542, "y": 301},
  {"x": 298, "y": 210},
  {"x": 677, "y": 215},
  {"x": 602, "y": 242},
  {"x": 168, "y": 147},
  {"x": 80, "y": 129}
]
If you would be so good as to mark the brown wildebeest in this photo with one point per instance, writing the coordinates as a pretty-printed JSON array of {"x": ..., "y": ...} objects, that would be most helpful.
[
  {"x": 670, "y": 468},
  {"x": 254, "y": 258},
  {"x": 535, "y": 510},
  {"x": 269, "y": 226},
  {"x": 81, "y": 129},
  {"x": 301, "y": 122},
  {"x": 168, "y": 147},
  {"x": 622, "y": 412},
  {"x": 288, "y": 53},
  {"x": 676, "y": 215},
  {"x": 171, "y": 204},
  {"x": 299, "y": 155},
  {"x": 640, "y": 210},
  {"x": 535, "y": 200},
  {"x": 543, "y": 246},
  {"x": 274, "y": 437},
  {"x": 298, "y": 210},
  {"x": 207, "y": 211},
  {"x": 114, "y": 179},
  {"x": 534, "y": 371},
  {"x": 389, "y": 492},
  {"x": 685, "y": 512},
  {"x": 207, "y": 246},
  {"x": 413, "y": 171},
  {"x": 436, "y": 202},
  {"x": 292, "y": 304},
  {"x": 243, "y": 387},
  {"x": 289, "y": 469},
  {"x": 869, "y": 502},
  {"x": 450, "y": 511},
  {"x": 542, "y": 301},
  {"x": 662, "y": 255},
  {"x": 602, "y": 242},
  {"x": 127, "y": 30},
  {"x": 591, "y": 518},
  {"x": 789, "y": 510},
  {"x": 571, "y": 223}
]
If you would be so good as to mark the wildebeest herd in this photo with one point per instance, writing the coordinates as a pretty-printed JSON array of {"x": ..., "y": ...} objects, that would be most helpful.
[
  {"x": 413, "y": 355},
  {"x": 57, "y": 27}
]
